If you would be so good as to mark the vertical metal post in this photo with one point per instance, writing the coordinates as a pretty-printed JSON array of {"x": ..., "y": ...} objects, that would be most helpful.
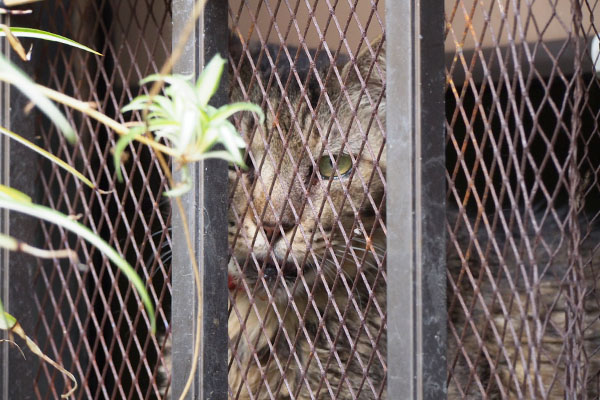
[
  {"x": 18, "y": 169},
  {"x": 416, "y": 210},
  {"x": 206, "y": 211},
  {"x": 4, "y": 178}
]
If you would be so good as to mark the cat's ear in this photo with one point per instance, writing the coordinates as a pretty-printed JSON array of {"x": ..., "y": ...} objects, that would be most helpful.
[
  {"x": 368, "y": 69},
  {"x": 243, "y": 71}
]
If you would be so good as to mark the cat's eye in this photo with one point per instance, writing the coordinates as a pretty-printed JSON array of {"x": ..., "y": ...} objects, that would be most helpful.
[{"x": 326, "y": 168}]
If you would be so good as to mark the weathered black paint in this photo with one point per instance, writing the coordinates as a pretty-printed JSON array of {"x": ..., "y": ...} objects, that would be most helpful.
[
  {"x": 416, "y": 209},
  {"x": 206, "y": 208}
]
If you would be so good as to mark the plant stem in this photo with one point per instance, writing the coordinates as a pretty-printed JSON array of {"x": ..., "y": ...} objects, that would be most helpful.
[{"x": 119, "y": 128}]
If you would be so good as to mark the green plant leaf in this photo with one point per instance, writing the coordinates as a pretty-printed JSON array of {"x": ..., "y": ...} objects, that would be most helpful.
[
  {"x": 187, "y": 131},
  {"x": 120, "y": 147},
  {"x": 191, "y": 126},
  {"x": 232, "y": 142},
  {"x": 53, "y": 37},
  {"x": 7, "y": 321},
  {"x": 209, "y": 79},
  {"x": 13, "y": 75},
  {"x": 50, "y": 157},
  {"x": 179, "y": 189},
  {"x": 228, "y": 110},
  {"x": 14, "y": 3},
  {"x": 8, "y": 242},
  {"x": 9, "y": 193},
  {"x": 55, "y": 217},
  {"x": 165, "y": 78},
  {"x": 12, "y": 244},
  {"x": 4, "y": 323},
  {"x": 138, "y": 103}
]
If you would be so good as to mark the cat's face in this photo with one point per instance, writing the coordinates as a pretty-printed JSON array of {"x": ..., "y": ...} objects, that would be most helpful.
[{"x": 293, "y": 213}]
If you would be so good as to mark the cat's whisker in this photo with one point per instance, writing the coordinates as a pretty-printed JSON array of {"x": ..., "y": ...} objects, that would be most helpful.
[
  {"x": 329, "y": 273},
  {"x": 364, "y": 241},
  {"x": 334, "y": 270},
  {"x": 371, "y": 244}
]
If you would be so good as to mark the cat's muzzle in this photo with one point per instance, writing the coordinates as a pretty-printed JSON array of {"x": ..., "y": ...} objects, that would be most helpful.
[
  {"x": 270, "y": 271},
  {"x": 264, "y": 268}
]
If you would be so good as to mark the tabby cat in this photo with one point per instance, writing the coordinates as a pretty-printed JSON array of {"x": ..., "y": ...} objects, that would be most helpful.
[
  {"x": 295, "y": 289},
  {"x": 539, "y": 327}
]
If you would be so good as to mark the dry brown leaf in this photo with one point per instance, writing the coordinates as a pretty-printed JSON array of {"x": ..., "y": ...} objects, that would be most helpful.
[
  {"x": 16, "y": 329},
  {"x": 15, "y": 43}
]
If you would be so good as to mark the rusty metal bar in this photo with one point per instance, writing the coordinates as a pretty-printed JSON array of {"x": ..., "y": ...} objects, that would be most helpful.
[
  {"x": 206, "y": 208},
  {"x": 416, "y": 209}
]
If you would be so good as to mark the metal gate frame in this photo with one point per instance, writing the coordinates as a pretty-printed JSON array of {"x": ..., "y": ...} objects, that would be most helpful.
[
  {"x": 416, "y": 306},
  {"x": 416, "y": 200},
  {"x": 16, "y": 283},
  {"x": 206, "y": 208}
]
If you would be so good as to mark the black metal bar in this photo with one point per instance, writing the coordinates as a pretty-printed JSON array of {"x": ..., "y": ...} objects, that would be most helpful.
[
  {"x": 416, "y": 209},
  {"x": 4, "y": 226},
  {"x": 18, "y": 169},
  {"x": 206, "y": 211}
]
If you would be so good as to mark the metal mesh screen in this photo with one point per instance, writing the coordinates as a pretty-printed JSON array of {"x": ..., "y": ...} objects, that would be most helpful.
[
  {"x": 523, "y": 110},
  {"x": 307, "y": 217},
  {"x": 90, "y": 318},
  {"x": 307, "y": 230}
]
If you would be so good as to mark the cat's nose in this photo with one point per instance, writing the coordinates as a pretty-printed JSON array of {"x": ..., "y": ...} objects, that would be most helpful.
[{"x": 272, "y": 231}]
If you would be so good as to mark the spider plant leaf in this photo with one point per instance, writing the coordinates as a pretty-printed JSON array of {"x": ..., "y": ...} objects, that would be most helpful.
[
  {"x": 120, "y": 147},
  {"x": 230, "y": 139},
  {"x": 13, "y": 75},
  {"x": 162, "y": 123},
  {"x": 49, "y": 36},
  {"x": 7, "y": 321},
  {"x": 158, "y": 114},
  {"x": 152, "y": 78},
  {"x": 228, "y": 130},
  {"x": 227, "y": 111},
  {"x": 3, "y": 321},
  {"x": 220, "y": 154},
  {"x": 185, "y": 138},
  {"x": 136, "y": 104},
  {"x": 7, "y": 192},
  {"x": 165, "y": 78},
  {"x": 57, "y": 218},
  {"x": 180, "y": 86},
  {"x": 180, "y": 187},
  {"x": 164, "y": 105},
  {"x": 50, "y": 157},
  {"x": 9, "y": 243},
  {"x": 143, "y": 103},
  {"x": 209, "y": 79},
  {"x": 13, "y": 3},
  {"x": 183, "y": 94}
]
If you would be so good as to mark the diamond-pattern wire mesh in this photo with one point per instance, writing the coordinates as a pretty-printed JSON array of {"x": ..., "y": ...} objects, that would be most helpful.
[
  {"x": 90, "y": 318},
  {"x": 307, "y": 228},
  {"x": 523, "y": 111}
]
